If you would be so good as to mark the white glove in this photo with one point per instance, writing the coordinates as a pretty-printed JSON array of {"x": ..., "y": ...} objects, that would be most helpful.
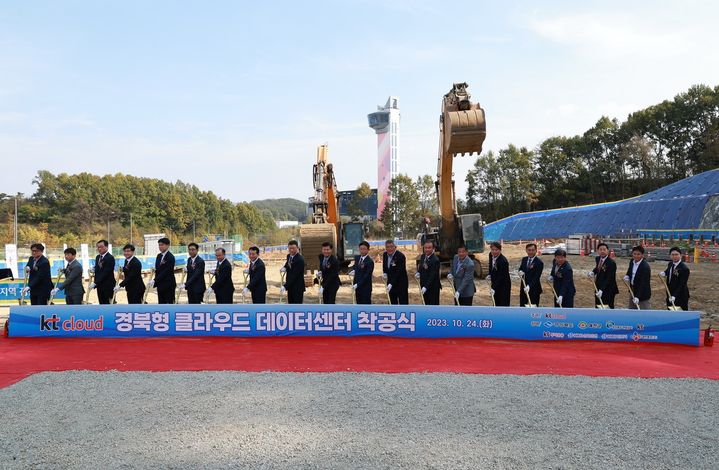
[
  {"x": 282, "y": 290},
  {"x": 354, "y": 286},
  {"x": 424, "y": 289},
  {"x": 116, "y": 288},
  {"x": 319, "y": 274},
  {"x": 389, "y": 287},
  {"x": 599, "y": 294},
  {"x": 245, "y": 291},
  {"x": 550, "y": 278},
  {"x": 54, "y": 291},
  {"x": 626, "y": 278},
  {"x": 384, "y": 275},
  {"x": 636, "y": 300},
  {"x": 662, "y": 274},
  {"x": 151, "y": 283},
  {"x": 456, "y": 295},
  {"x": 25, "y": 290},
  {"x": 489, "y": 277},
  {"x": 417, "y": 275},
  {"x": 520, "y": 273},
  {"x": 91, "y": 270},
  {"x": 92, "y": 286},
  {"x": 322, "y": 290},
  {"x": 491, "y": 292},
  {"x": 209, "y": 290},
  {"x": 526, "y": 290},
  {"x": 283, "y": 269},
  {"x": 181, "y": 286},
  {"x": 672, "y": 299},
  {"x": 449, "y": 276},
  {"x": 184, "y": 270},
  {"x": 590, "y": 274},
  {"x": 559, "y": 300},
  {"x": 246, "y": 271},
  {"x": 351, "y": 273},
  {"x": 27, "y": 269}
]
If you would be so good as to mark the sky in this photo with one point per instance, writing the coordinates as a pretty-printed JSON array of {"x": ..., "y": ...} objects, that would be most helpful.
[{"x": 234, "y": 97}]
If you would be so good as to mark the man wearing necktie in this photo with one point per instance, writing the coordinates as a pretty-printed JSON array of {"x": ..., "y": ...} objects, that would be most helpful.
[
  {"x": 132, "y": 276},
  {"x": 462, "y": 276},
  {"x": 195, "y": 279},
  {"x": 164, "y": 281},
  {"x": 639, "y": 276},
  {"x": 104, "y": 270},
  {"x": 257, "y": 285},
  {"x": 677, "y": 278},
  {"x": 428, "y": 275},
  {"x": 39, "y": 280},
  {"x": 499, "y": 275},
  {"x": 329, "y": 274},
  {"x": 223, "y": 286},
  {"x": 363, "y": 269},
  {"x": 531, "y": 268},
  {"x": 295, "y": 270},
  {"x": 72, "y": 285},
  {"x": 394, "y": 270},
  {"x": 605, "y": 277}
]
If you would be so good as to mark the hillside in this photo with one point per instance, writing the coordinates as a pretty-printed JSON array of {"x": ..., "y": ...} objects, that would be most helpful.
[{"x": 283, "y": 208}]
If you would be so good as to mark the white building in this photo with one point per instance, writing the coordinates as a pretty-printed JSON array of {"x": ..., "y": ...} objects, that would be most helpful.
[{"x": 385, "y": 122}]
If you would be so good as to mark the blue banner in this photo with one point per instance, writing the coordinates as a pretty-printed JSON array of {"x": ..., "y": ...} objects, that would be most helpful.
[
  {"x": 10, "y": 292},
  {"x": 404, "y": 321}
]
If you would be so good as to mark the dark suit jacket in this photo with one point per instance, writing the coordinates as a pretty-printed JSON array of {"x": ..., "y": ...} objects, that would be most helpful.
[
  {"x": 429, "y": 272},
  {"x": 606, "y": 277},
  {"x": 195, "y": 279},
  {"x": 40, "y": 280},
  {"x": 165, "y": 271},
  {"x": 223, "y": 279},
  {"x": 105, "y": 271},
  {"x": 330, "y": 272},
  {"x": 677, "y": 282},
  {"x": 295, "y": 277},
  {"x": 501, "y": 283},
  {"x": 363, "y": 273},
  {"x": 397, "y": 271},
  {"x": 132, "y": 277},
  {"x": 532, "y": 274},
  {"x": 641, "y": 285},
  {"x": 72, "y": 285},
  {"x": 563, "y": 280},
  {"x": 258, "y": 282}
]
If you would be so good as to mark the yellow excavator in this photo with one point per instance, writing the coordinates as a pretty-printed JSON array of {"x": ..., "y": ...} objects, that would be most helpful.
[
  {"x": 326, "y": 225},
  {"x": 462, "y": 130}
]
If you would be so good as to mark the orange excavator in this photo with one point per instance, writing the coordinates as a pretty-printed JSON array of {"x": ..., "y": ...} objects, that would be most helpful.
[
  {"x": 462, "y": 130},
  {"x": 326, "y": 225}
]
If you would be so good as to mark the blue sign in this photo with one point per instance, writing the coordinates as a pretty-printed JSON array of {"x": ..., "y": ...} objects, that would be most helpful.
[
  {"x": 10, "y": 292},
  {"x": 404, "y": 321}
]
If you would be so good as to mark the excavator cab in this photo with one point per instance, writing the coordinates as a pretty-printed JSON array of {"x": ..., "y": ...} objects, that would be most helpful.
[
  {"x": 352, "y": 234},
  {"x": 472, "y": 227}
]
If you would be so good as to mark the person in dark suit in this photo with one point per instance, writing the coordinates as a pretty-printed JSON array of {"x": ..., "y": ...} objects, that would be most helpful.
[
  {"x": 329, "y": 274},
  {"x": 223, "y": 286},
  {"x": 605, "y": 277},
  {"x": 104, "y": 269},
  {"x": 677, "y": 277},
  {"x": 195, "y": 278},
  {"x": 295, "y": 271},
  {"x": 428, "y": 275},
  {"x": 362, "y": 272},
  {"x": 461, "y": 275},
  {"x": 164, "y": 281},
  {"x": 562, "y": 278},
  {"x": 394, "y": 270},
  {"x": 639, "y": 277},
  {"x": 531, "y": 269},
  {"x": 258, "y": 284},
  {"x": 501, "y": 284},
  {"x": 132, "y": 276},
  {"x": 72, "y": 285},
  {"x": 40, "y": 280}
]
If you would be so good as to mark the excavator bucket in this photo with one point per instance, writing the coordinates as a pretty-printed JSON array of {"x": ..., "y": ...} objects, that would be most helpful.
[{"x": 464, "y": 126}]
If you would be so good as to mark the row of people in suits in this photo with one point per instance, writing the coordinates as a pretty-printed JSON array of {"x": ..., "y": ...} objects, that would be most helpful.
[{"x": 603, "y": 275}]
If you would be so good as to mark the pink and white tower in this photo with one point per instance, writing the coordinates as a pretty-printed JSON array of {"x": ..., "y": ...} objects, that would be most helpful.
[{"x": 385, "y": 122}]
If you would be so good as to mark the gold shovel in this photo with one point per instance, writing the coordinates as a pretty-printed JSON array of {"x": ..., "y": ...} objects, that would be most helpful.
[
  {"x": 631, "y": 292},
  {"x": 669, "y": 295}
]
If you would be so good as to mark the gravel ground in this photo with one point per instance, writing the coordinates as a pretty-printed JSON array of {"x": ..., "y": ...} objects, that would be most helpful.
[{"x": 351, "y": 420}]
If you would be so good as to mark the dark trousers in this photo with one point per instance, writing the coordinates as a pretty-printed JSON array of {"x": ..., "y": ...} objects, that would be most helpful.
[
  {"x": 296, "y": 297},
  {"x": 501, "y": 297},
  {"x": 363, "y": 297},
  {"x": 465, "y": 301},
  {"x": 166, "y": 295},
  {"x": 431, "y": 297},
  {"x": 399, "y": 296},
  {"x": 195, "y": 297},
  {"x": 135, "y": 296},
  {"x": 329, "y": 295},
  {"x": 607, "y": 299},
  {"x": 104, "y": 294},
  {"x": 225, "y": 297},
  {"x": 533, "y": 298},
  {"x": 39, "y": 299},
  {"x": 567, "y": 302},
  {"x": 259, "y": 297},
  {"x": 73, "y": 299}
]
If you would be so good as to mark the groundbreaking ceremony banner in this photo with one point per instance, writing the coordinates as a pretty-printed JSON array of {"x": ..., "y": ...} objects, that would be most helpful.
[{"x": 403, "y": 321}]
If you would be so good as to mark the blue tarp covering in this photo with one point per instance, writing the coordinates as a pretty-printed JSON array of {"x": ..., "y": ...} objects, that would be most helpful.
[{"x": 675, "y": 210}]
